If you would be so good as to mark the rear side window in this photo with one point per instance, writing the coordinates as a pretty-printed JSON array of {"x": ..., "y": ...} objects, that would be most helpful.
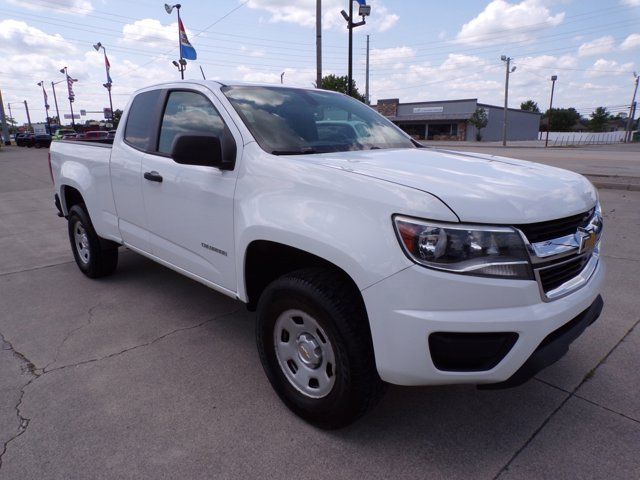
[
  {"x": 188, "y": 113},
  {"x": 139, "y": 128}
]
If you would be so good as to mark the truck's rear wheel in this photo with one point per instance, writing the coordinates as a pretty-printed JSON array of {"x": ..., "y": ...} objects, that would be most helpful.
[
  {"x": 95, "y": 256},
  {"x": 315, "y": 346}
]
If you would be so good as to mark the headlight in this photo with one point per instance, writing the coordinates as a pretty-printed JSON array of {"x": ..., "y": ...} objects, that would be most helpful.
[{"x": 466, "y": 249}]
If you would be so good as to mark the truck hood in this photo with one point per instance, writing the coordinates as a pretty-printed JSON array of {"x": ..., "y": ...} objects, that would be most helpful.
[{"x": 477, "y": 187}]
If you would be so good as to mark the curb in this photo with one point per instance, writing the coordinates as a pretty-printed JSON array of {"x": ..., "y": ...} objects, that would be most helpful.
[{"x": 616, "y": 186}]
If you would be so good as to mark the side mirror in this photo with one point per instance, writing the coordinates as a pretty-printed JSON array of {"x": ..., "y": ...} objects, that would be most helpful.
[{"x": 203, "y": 150}]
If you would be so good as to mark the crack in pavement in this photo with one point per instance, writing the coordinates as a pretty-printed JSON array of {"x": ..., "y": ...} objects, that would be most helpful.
[
  {"x": 30, "y": 368},
  {"x": 35, "y": 373},
  {"x": 570, "y": 395},
  {"x": 71, "y": 332}
]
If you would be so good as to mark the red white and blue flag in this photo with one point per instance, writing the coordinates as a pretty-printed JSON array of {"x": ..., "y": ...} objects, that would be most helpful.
[
  {"x": 107, "y": 66},
  {"x": 186, "y": 49}
]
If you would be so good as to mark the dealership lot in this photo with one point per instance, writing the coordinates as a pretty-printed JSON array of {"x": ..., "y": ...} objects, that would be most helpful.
[{"x": 149, "y": 374}]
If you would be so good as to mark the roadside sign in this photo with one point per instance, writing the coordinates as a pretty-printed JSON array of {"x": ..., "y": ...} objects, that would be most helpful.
[
  {"x": 108, "y": 114},
  {"x": 83, "y": 112},
  {"x": 67, "y": 116}
]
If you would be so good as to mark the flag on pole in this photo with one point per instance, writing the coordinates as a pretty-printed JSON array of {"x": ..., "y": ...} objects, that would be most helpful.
[
  {"x": 186, "y": 49},
  {"x": 70, "y": 82},
  {"x": 107, "y": 65}
]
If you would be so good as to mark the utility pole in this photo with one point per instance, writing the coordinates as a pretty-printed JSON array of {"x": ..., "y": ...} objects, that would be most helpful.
[
  {"x": 26, "y": 107},
  {"x": 55, "y": 101},
  {"x": 364, "y": 10},
  {"x": 282, "y": 78},
  {"x": 3, "y": 121},
  {"x": 318, "y": 43},
  {"x": 366, "y": 85},
  {"x": 627, "y": 137},
  {"x": 553, "y": 84},
  {"x": 509, "y": 70}
]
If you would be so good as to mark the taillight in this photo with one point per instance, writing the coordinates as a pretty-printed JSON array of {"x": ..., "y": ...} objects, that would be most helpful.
[{"x": 50, "y": 169}]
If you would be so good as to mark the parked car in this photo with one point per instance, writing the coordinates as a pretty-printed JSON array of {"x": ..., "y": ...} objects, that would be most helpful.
[
  {"x": 111, "y": 135},
  {"x": 369, "y": 260},
  {"x": 96, "y": 134},
  {"x": 69, "y": 136},
  {"x": 29, "y": 140},
  {"x": 42, "y": 140},
  {"x": 62, "y": 132},
  {"x": 22, "y": 139}
]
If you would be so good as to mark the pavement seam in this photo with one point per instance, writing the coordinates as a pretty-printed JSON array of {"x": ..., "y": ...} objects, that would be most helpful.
[
  {"x": 592, "y": 402},
  {"x": 30, "y": 368},
  {"x": 571, "y": 394},
  {"x": 622, "y": 258},
  {"x": 36, "y": 268}
]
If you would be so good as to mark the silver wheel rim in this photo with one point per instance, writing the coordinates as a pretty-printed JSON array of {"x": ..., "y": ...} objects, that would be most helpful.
[
  {"x": 82, "y": 242},
  {"x": 304, "y": 353}
]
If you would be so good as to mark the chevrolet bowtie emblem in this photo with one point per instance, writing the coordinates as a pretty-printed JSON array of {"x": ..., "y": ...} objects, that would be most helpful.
[{"x": 586, "y": 239}]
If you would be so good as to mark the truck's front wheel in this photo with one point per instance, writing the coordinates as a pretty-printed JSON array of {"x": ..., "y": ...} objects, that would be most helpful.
[
  {"x": 315, "y": 346},
  {"x": 96, "y": 257}
]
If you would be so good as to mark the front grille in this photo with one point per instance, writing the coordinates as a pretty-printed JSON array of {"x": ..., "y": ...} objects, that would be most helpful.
[
  {"x": 554, "y": 276},
  {"x": 542, "y": 231}
]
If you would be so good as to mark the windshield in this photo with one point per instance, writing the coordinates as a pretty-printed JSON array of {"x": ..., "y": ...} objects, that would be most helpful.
[{"x": 289, "y": 121}]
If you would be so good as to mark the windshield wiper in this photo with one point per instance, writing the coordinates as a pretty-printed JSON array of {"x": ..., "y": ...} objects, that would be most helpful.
[{"x": 302, "y": 151}]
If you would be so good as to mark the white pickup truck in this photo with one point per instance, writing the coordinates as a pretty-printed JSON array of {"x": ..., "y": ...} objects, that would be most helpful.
[{"x": 369, "y": 258}]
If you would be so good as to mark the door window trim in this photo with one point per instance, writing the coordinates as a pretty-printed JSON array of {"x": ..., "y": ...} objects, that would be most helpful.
[
  {"x": 158, "y": 110},
  {"x": 228, "y": 136}
]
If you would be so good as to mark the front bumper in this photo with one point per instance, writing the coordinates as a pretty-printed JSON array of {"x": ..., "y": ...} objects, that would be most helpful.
[{"x": 407, "y": 307}]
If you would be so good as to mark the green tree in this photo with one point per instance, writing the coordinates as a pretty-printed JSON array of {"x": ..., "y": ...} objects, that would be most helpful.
[
  {"x": 562, "y": 119},
  {"x": 339, "y": 84},
  {"x": 479, "y": 119},
  {"x": 599, "y": 118},
  {"x": 117, "y": 114},
  {"x": 530, "y": 106}
]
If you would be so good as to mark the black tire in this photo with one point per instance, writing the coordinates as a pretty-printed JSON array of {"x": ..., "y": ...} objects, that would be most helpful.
[
  {"x": 336, "y": 305},
  {"x": 97, "y": 257}
]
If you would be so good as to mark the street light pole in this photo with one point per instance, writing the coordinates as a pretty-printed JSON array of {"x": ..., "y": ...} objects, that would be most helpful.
[
  {"x": 55, "y": 101},
  {"x": 364, "y": 10},
  {"x": 181, "y": 65},
  {"x": 107, "y": 85},
  {"x": 3, "y": 123},
  {"x": 71, "y": 95},
  {"x": 553, "y": 84},
  {"x": 627, "y": 137},
  {"x": 46, "y": 105},
  {"x": 509, "y": 70}
]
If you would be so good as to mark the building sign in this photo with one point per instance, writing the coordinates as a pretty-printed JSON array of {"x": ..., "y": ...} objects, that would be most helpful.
[{"x": 428, "y": 109}]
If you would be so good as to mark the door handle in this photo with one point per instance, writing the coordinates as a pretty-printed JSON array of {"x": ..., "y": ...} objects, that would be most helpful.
[{"x": 153, "y": 176}]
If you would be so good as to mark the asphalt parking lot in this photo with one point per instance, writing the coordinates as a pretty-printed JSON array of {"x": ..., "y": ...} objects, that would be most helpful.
[{"x": 147, "y": 374}]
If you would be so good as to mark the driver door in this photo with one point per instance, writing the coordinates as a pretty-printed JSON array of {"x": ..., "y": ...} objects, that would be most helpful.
[{"x": 190, "y": 207}]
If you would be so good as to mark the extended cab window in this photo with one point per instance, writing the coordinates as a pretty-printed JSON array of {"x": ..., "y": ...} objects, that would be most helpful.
[
  {"x": 138, "y": 131},
  {"x": 190, "y": 113}
]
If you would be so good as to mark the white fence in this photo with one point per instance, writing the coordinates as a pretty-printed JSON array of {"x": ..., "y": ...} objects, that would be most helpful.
[{"x": 582, "y": 138}]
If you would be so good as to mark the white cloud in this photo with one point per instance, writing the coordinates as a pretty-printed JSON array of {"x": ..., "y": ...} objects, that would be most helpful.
[
  {"x": 386, "y": 56},
  {"x": 631, "y": 3},
  {"x": 604, "y": 67},
  {"x": 79, "y": 7},
  {"x": 521, "y": 20},
  {"x": 151, "y": 33},
  {"x": 598, "y": 46},
  {"x": 292, "y": 76},
  {"x": 632, "y": 41},
  {"x": 302, "y": 13},
  {"x": 18, "y": 37}
]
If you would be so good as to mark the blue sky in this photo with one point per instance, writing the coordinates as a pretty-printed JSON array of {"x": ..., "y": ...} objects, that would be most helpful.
[{"x": 420, "y": 50}]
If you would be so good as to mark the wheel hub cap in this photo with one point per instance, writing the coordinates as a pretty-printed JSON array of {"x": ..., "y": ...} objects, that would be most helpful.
[
  {"x": 304, "y": 353},
  {"x": 309, "y": 350}
]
